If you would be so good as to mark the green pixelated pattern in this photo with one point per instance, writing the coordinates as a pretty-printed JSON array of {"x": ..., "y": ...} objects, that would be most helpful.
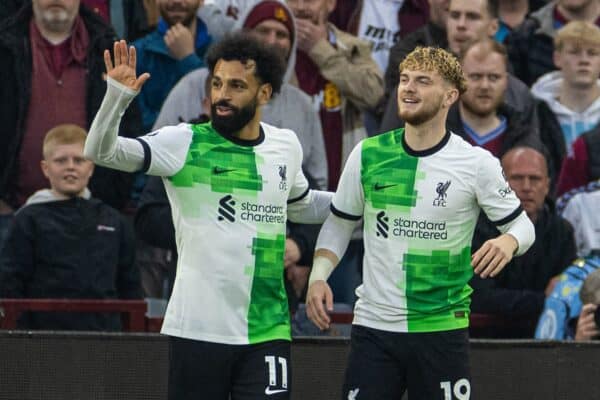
[
  {"x": 208, "y": 151},
  {"x": 268, "y": 315},
  {"x": 388, "y": 173},
  {"x": 437, "y": 290}
]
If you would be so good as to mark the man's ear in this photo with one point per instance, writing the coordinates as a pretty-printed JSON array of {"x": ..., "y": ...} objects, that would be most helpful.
[
  {"x": 557, "y": 59},
  {"x": 44, "y": 166},
  {"x": 451, "y": 96},
  {"x": 265, "y": 91},
  {"x": 493, "y": 27}
]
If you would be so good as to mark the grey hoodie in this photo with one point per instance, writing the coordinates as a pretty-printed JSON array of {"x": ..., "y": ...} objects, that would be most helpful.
[
  {"x": 572, "y": 123},
  {"x": 290, "y": 109},
  {"x": 48, "y": 196}
]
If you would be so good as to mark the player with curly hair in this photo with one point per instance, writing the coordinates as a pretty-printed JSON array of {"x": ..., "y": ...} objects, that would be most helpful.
[{"x": 419, "y": 190}]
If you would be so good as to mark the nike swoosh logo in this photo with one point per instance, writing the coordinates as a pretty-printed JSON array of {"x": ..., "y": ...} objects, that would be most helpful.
[
  {"x": 269, "y": 391},
  {"x": 219, "y": 170},
  {"x": 377, "y": 186}
]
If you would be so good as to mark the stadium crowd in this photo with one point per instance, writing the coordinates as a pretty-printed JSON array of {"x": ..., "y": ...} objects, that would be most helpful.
[{"x": 69, "y": 229}]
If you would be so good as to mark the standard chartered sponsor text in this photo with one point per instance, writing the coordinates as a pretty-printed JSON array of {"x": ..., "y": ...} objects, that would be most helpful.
[
  {"x": 419, "y": 229},
  {"x": 268, "y": 213}
]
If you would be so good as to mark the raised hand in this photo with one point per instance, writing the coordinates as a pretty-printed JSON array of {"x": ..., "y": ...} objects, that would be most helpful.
[{"x": 123, "y": 70}]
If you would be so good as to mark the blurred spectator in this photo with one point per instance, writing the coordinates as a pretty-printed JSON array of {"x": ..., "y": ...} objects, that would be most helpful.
[
  {"x": 176, "y": 47},
  {"x": 468, "y": 21},
  {"x": 384, "y": 22},
  {"x": 336, "y": 69},
  {"x": 342, "y": 13},
  {"x": 152, "y": 12},
  {"x": 520, "y": 289},
  {"x": 511, "y": 14},
  {"x": 220, "y": 16},
  {"x": 587, "y": 323},
  {"x": 481, "y": 117},
  {"x": 127, "y": 17},
  {"x": 433, "y": 33},
  {"x": 580, "y": 207},
  {"x": 530, "y": 46},
  {"x": 65, "y": 244},
  {"x": 52, "y": 50},
  {"x": 563, "y": 306},
  {"x": 582, "y": 163},
  {"x": 290, "y": 109},
  {"x": 570, "y": 98}
]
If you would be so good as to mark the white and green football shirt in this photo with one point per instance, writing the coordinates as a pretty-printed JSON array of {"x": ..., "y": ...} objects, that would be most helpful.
[
  {"x": 420, "y": 211},
  {"x": 229, "y": 205}
]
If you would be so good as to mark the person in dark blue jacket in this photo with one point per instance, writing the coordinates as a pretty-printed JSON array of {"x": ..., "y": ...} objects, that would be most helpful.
[{"x": 176, "y": 47}]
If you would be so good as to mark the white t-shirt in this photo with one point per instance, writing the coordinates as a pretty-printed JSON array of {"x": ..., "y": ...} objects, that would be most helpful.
[
  {"x": 580, "y": 211},
  {"x": 420, "y": 211},
  {"x": 379, "y": 25},
  {"x": 229, "y": 204}
]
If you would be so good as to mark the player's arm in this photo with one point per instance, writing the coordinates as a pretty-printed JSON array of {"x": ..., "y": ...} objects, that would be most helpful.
[
  {"x": 518, "y": 235},
  {"x": 311, "y": 208},
  {"x": 305, "y": 205},
  {"x": 103, "y": 145},
  {"x": 502, "y": 206},
  {"x": 347, "y": 208},
  {"x": 331, "y": 245}
]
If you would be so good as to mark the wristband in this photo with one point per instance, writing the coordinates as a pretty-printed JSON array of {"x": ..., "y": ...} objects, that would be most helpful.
[{"x": 322, "y": 268}]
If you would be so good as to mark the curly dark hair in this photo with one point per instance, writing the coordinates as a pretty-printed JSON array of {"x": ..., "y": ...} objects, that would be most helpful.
[{"x": 240, "y": 46}]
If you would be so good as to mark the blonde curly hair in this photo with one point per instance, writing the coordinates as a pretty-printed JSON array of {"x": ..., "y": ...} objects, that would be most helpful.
[{"x": 439, "y": 60}]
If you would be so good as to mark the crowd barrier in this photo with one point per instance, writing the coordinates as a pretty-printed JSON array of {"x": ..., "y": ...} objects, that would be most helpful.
[{"x": 130, "y": 366}]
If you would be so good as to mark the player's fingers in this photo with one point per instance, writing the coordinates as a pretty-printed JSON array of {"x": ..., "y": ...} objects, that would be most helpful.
[
  {"x": 500, "y": 262},
  {"x": 124, "y": 53},
  {"x": 486, "y": 264},
  {"x": 478, "y": 255},
  {"x": 313, "y": 314},
  {"x": 139, "y": 82},
  {"x": 117, "y": 53},
  {"x": 329, "y": 301},
  {"x": 479, "y": 258},
  {"x": 108, "y": 61},
  {"x": 132, "y": 57},
  {"x": 321, "y": 319}
]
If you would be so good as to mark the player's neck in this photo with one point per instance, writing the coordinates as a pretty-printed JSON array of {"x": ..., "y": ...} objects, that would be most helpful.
[
  {"x": 426, "y": 135},
  {"x": 251, "y": 131}
]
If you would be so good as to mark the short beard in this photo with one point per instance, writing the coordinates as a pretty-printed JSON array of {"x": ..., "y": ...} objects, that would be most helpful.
[
  {"x": 187, "y": 20},
  {"x": 58, "y": 22},
  {"x": 424, "y": 115},
  {"x": 480, "y": 112},
  {"x": 240, "y": 117}
]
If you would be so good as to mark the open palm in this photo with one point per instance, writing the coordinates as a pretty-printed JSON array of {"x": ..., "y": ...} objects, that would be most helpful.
[{"x": 123, "y": 70}]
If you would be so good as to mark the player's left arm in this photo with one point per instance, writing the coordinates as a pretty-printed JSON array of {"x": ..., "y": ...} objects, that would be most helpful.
[
  {"x": 305, "y": 205},
  {"x": 502, "y": 206}
]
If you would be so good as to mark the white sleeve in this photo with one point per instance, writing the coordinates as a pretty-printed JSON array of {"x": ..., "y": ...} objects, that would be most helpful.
[
  {"x": 494, "y": 195},
  {"x": 313, "y": 208},
  {"x": 166, "y": 150},
  {"x": 304, "y": 205},
  {"x": 349, "y": 199},
  {"x": 335, "y": 234},
  {"x": 500, "y": 203},
  {"x": 573, "y": 212},
  {"x": 522, "y": 229},
  {"x": 103, "y": 145}
]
